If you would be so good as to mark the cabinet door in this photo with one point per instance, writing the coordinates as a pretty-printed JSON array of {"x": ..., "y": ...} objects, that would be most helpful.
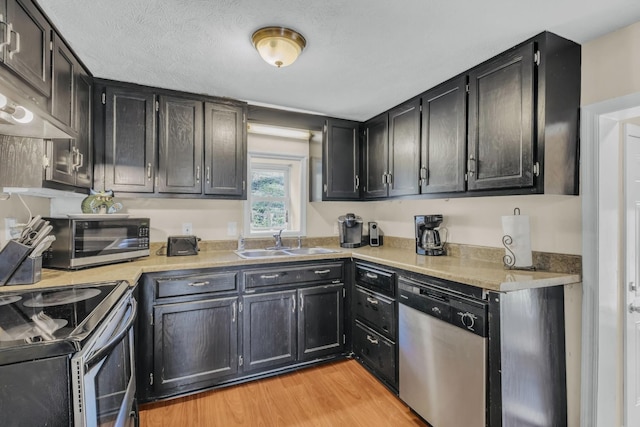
[
  {"x": 129, "y": 140},
  {"x": 404, "y": 149},
  {"x": 63, "y": 161},
  {"x": 376, "y": 155},
  {"x": 269, "y": 330},
  {"x": 63, "y": 72},
  {"x": 180, "y": 146},
  {"x": 501, "y": 121},
  {"x": 341, "y": 159},
  {"x": 27, "y": 52},
  {"x": 195, "y": 343},
  {"x": 320, "y": 321},
  {"x": 82, "y": 125},
  {"x": 225, "y": 150},
  {"x": 444, "y": 137}
]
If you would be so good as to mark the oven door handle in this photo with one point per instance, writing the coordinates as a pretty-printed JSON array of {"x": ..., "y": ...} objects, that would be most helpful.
[{"x": 103, "y": 352}]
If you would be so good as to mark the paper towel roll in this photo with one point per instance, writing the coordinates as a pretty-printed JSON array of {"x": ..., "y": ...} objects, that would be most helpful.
[{"x": 517, "y": 226}]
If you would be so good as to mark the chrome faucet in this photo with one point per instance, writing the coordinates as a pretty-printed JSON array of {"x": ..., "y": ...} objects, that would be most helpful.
[{"x": 278, "y": 237}]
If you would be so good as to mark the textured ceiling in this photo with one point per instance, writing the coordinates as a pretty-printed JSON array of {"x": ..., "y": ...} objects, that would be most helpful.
[{"x": 362, "y": 56}]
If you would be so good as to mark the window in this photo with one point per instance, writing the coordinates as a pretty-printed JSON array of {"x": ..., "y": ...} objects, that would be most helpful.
[{"x": 276, "y": 199}]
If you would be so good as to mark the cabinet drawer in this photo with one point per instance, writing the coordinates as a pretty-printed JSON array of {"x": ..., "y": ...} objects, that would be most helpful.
[
  {"x": 290, "y": 275},
  {"x": 197, "y": 284},
  {"x": 375, "y": 279},
  {"x": 377, "y": 311},
  {"x": 376, "y": 351}
]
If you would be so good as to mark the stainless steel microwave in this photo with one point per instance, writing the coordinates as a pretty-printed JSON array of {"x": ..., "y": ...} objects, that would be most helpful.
[{"x": 85, "y": 242}]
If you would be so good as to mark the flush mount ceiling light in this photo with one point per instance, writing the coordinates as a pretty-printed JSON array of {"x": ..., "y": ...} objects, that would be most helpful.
[{"x": 278, "y": 46}]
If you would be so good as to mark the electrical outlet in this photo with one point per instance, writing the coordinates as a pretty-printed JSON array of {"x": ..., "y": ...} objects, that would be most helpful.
[
  {"x": 232, "y": 228},
  {"x": 187, "y": 228}
]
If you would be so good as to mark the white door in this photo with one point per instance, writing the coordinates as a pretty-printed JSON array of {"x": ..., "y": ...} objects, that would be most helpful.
[{"x": 631, "y": 235}]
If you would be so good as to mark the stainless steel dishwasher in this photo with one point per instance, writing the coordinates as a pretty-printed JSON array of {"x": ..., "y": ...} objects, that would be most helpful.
[{"x": 442, "y": 354}]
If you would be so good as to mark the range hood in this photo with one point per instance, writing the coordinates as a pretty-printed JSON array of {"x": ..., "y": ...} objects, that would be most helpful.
[{"x": 22, "y": 116}]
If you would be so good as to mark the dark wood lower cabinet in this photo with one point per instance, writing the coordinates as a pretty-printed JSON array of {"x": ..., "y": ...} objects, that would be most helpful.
[
  {"x": 320, "y": 321},
  {"x": 269, "y": 330},
  {"x": 195, "y": 342}
]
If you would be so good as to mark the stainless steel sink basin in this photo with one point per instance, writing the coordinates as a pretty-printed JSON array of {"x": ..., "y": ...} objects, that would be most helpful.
[
  {"x": 270, "y": 253},
  {"x": 261, "y": 253},
  {"x": 310, "y": 251}
]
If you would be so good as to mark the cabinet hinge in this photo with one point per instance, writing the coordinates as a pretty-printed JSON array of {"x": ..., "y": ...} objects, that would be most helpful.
[
  {"x": 466, "y": 177},
  {"x": 466, "y": 88},
  {"x": 240, "y": 361},
  {"x": 244, "y": 117},
  {"x": 104, "y": 98},
  {"x": 344, "y": 339},
  {"x": 536, "y": 57},
  {"x": 157, "y": 105},
  {"x": 51, "y": 45},
  {"x": 150, "y": 379},
  {"x": 240, "y": 307},
  {"x": 536, "y": 169},
  {"x": 421, "y": 108}
]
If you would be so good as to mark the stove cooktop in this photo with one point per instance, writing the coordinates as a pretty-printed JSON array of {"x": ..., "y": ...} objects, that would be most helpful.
[{"x": 53, "y": 321}]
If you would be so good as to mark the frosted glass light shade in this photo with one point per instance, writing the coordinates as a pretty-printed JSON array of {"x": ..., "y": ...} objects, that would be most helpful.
[{"x": 278, "y": 46}]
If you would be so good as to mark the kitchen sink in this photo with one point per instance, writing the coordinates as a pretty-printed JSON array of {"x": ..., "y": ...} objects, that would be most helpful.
[
  {"x": 270, "y": 253},
  {"x": 310, "y": 251},
  {"x": 261, "y": 253}
]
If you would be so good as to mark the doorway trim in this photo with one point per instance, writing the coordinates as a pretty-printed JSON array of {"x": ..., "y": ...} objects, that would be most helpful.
[{"x": 601, "y": 132}]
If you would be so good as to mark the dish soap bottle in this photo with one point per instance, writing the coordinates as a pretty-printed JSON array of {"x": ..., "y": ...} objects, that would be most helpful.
[{"x": 240, "y": 243}]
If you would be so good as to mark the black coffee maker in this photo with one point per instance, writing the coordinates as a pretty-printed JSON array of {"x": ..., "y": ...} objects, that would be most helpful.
[
  {"x": 428, "y": 240},
  {"x": 350, "y": 226}
]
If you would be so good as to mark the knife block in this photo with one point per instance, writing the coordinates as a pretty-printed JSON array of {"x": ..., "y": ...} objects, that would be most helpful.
[
  {"x": 11, "y": 259},
  {"x": 30, "y": 271}
]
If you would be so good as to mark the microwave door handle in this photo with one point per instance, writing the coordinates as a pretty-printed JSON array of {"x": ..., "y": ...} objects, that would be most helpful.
[{"x": 103, "y": 352}]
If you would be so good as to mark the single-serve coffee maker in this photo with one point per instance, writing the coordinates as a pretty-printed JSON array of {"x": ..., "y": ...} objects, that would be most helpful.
[
  {"x": 350, "y": 228},
  {"x": 428, "y": 241}
]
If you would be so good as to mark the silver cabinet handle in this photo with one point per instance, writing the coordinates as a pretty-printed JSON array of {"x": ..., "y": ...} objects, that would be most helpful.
[
  {"x": 293, "y": 300},
  {"x": 197, "y": 284},
  {"x": 81, "y": 162},
  {"x": 423, "y": 175},
  {"x": 233, "y": 312},
  {"x": 372, "y": 300},
  {"x": 323, "y": 271},
  {"x": 357, "y": 182},
  {"x": 269, "y": 276},
  {"x": 197, "y": 174},
  {"x": 371, "y": 276},
  {"x": 390, "y": 178},
  {"x": 301, "y": 302},
  {"x": 471, "y": 165},
  {"x": 17, "y": 49},
  {"x": 149, "y": 171},
  {"x": 74, "y": 157},
  {"x": 208, "y": 174},
  {"x": 384, "y": 178},
  {"x": 372, "y": 340}
]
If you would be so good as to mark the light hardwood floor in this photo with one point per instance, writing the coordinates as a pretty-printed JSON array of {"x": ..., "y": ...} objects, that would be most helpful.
[{"x": 335, "y": 394}]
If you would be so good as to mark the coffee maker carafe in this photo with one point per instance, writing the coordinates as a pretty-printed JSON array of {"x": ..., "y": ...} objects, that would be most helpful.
[
  {"x": 350, "y": 227},
  {"x": 428, "y": 241}
]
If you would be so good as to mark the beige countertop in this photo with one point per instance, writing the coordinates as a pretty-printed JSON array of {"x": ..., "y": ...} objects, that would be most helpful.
[{"x": 483, "y": 274}]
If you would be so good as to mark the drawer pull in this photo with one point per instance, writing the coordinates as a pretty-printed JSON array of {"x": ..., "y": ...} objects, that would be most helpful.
[
  {"x": 371, "y": 275},
  {"x": 199, "y": 283},
  {"x": 372, "y": 300},
  {"x": 269, "y": 276},
  {"x": 323, "y": 271},
  {"x": 372, "y": 340}
]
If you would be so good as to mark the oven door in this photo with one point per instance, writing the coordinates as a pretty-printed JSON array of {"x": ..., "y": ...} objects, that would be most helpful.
[{"x": 104, "y": 371}]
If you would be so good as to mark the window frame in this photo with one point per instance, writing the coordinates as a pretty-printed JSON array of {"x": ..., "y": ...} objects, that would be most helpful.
[{"x": 260, "y": 160}]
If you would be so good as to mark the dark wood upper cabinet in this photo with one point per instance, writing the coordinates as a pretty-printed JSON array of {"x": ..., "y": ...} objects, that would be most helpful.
[
  {"x": 225, "y": 148},
  {"x": 376, "y": 157},
  {"x": 129, "y": 140},
  {"x": 404, "y": 149},
  {"x": 63, "y": 73},
  {"x": 180, "y": 145},
  {"x": 341, "y": 158},
  {"x": 444, "y": 137},
  {"x": 501, "y": 121},
  {"x": 27, "y": 50},
  {"x": 83, "y": 84}
]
